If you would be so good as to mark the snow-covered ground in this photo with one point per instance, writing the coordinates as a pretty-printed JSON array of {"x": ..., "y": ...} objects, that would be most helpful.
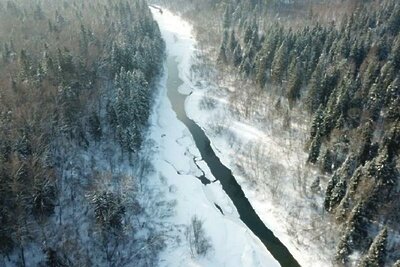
[
  {"x": 268, "y": 160},
  {"x": 173, "y": 149},
  {"x": 269, "y": 164}
]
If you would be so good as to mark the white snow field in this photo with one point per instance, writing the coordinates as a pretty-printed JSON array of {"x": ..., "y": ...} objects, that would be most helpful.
[{"x": 233, "y": 244}]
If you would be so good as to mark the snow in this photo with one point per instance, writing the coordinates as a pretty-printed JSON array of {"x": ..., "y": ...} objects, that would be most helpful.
[
  {"x": 288, "y": 215},
  {"x": 233, "y": 244},
  {"x": 295, "y": 215}
]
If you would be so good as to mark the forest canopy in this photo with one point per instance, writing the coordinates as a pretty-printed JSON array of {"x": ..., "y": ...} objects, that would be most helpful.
[{"x": 72, "y": 74}]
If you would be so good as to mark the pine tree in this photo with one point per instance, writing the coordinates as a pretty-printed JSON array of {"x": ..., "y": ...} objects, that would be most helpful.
[
  {"x": 237, "y": 55},
  {"x": 222, "y": 58},
  {"x": 248, "y": 34},
  {"x": 246, "y": 66},
  {"x": 222, "y": 55},
  {"x": 327, "y": 161},
  {"x": 232, "y": 42},
  {"x": 375, "y": 100},
  {"x": 329, "y": 190},
  {"x": 394, "y": 20},
  {"x": 317, "y": 122},
  {"x": 382, "y": 169},
  {"x": 279, "y": 64},
  {"x": 343, "y": 249},
  {"x": 355, "y": 233},
  {"x": 95, "y": 126},
  {"x": 338, "y": 192},
  {"x": 377, "y": 251},
  {"x": 395, "y": 54},
  {"x": 366, "y": 142},
  {"x": 314, "y": 148},
  {"x": 313, "y": 98},
  {"x": 295, "y": 82},
  {"x": 227, "y": 20}
]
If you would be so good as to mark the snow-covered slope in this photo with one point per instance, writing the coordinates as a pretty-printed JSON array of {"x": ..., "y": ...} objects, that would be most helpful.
[{"x": 173, "y": 151}]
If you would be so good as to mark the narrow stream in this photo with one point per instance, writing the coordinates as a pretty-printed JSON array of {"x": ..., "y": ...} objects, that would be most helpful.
[{"x": 223, "y": 174}]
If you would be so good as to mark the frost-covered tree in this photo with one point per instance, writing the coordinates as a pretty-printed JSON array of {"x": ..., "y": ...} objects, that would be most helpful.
[
  {"x": 327, "y": 161},
  {"x": 376, "y": 254},
  {"x": 295, "y": 82},
  {"x": 199, "y": 243},
  {"x": 279, "y": 64},
  {"x": 315, "y": 148}
]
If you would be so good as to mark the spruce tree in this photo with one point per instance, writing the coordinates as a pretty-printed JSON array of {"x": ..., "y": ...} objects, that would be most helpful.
[
  {"x": 237, "y": 55},
  {"x": 279, "y": 64},
  {"x": 313, "y": 98},
  {"x": 376, "y": 254},
  {"x": 315, "y": 148},
  {"x": 295, "y": 82},
  {"x": 317, "y": 122},
  {"x": 327, "y": 161}
]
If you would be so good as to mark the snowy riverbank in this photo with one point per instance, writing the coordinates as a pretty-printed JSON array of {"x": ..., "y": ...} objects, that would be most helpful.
[
  {"x": 266, "y": 153},
  {"x": 173, "y": 152}
]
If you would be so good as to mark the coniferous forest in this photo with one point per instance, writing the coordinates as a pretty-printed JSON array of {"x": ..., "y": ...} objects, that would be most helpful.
[
  {"x": 73, "y": 74},
  {"x": 80, "y": 85}
]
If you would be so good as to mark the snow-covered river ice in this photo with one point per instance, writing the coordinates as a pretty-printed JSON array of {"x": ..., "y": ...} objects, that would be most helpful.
[
  {"x": 210, "y": 171},
  {"x": 222, "y": 173}
]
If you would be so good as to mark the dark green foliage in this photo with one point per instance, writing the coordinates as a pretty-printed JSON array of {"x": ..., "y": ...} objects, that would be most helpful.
[
  {"x": 315, "y": 149},
  {"x": 327, "y": 161},
  {"x": 227, "y": 16},
  {"x": 316, "y": 122},
  {"x": 355, "y": 233},
  {"x": 6, "y": 241},
  {"x": 343, "y": 250},
  {"x": 58, "y": 63},
  {"x": 54, "y": 260},
  {"x": 232, "y": 42},
  {"x": 95, "y": 126},
  {"x": 394, "y": 20},
  {"x": 131, "y": 108},
  {"x": 44, "y": 198},
  {"x": 393, "y": 101},
  {"x": 237, "y": 55},
  {"x": 222, "y": 54},
  {"x": 376, "y": 255},
  {"x": 329, "y": 190},
  {"x": 295, "y": 83},
  {"x": 109, "y": 210},
  {"x": 335, "y": 191},
  {"x": 364, "y": 153},
  {"x": 338, "y": 193},
  {"x": 395, "y": 55},
  {"x": 279, "y": 64},
  {"x": 383, "y": 168}
]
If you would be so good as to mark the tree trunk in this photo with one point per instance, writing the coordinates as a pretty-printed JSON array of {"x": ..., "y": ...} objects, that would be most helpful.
[{"x": 22, "y": 256}]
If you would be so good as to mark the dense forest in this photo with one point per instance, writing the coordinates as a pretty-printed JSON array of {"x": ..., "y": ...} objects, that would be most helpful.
[
  {"x": 339, "y": 61},
  {"x": 75, "y": 76},
  {"x": 77, "y": 84}
]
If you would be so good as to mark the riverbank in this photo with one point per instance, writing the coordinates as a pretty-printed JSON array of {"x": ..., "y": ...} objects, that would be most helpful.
[
  {"x": 266, "y": 155},
  {"x": 268, "y": 162},
  {"x": 172, "y": 152}
]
